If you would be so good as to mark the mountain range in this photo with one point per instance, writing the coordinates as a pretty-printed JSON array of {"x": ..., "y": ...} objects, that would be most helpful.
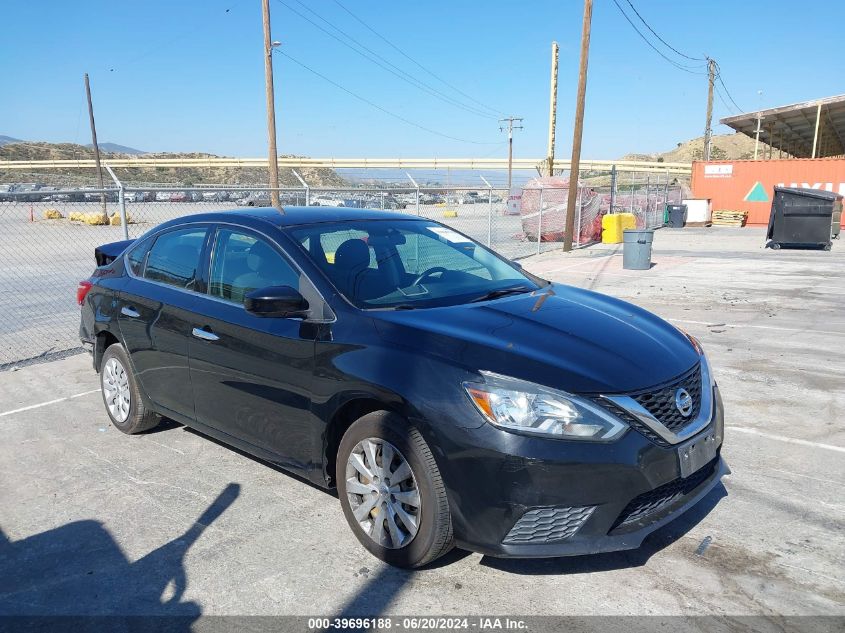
[{"x": 104, "y": 147}]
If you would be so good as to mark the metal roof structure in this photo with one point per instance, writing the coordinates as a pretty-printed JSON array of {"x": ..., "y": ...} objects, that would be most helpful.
[{"x": 813, "y": 129}]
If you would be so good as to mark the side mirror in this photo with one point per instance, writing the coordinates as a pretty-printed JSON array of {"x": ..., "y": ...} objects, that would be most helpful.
[{"x": 276, "y": 301}]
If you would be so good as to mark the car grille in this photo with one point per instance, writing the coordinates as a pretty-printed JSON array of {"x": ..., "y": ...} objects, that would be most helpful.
[
  {"x": 548, "y": 525},
  {"x": 661, "y": 403},
  {"x": 654, "y": 501},
  {"x": 633, "y": 422}
]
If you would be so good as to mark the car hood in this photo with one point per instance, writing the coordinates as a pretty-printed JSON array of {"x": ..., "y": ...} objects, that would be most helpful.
[{"x": 559, "y": 336}]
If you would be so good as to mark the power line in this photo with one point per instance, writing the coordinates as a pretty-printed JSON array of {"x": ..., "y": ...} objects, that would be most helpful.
[
  {"x": 657, "y": 35},
  {"x": 727, "y": 92},
  {"x": 648, "y": 26},
  {"x": 378, "y": 107},
  {"x": 383, "y": 63},
  {"x": 677, "y": 65},
  {"x": 728, "y": 107},
  {"x": 408, "y": 57},
  {"x": 181, "y": 35},
  {"x": 511, "y": 127},
  {"x": 405, "y": 76}
]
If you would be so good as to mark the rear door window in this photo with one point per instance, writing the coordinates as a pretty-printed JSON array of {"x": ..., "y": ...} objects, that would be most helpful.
[
  {"x": 137, "y": 256},
  {"x": 174, "y": 259}
]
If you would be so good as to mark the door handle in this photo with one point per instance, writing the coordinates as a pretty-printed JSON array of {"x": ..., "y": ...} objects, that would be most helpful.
[
  {"x": 130, "y": 312},
  {"x": 205, "y": 335}
]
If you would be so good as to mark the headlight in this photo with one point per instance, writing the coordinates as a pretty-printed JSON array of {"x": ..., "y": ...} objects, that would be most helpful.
[
  {"x": 696, "y": 344},
  {"x": 514, "y": 404}
]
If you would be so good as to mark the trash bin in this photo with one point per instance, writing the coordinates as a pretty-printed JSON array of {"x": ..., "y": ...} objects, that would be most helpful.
[
  {"x": 677, "y": 215},
  {"x": 636, "y": 252},
  {"x": 802, "y": 217},
  {"x": 836, "y": 220}
]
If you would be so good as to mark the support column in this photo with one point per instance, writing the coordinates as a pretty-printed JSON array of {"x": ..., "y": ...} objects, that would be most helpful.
[{"x": 816, "y": 133}]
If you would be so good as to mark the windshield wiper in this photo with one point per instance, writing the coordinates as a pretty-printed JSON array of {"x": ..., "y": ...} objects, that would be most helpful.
[{"x": 501, "y": 292}]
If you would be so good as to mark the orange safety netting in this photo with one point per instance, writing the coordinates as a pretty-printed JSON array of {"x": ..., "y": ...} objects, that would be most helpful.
[{"x": 554, "y": 192}]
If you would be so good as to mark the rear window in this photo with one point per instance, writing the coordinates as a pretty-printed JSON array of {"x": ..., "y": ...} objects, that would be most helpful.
[
  {"x": 137, "y": 256},
  {"x": 175, "y": 258}
]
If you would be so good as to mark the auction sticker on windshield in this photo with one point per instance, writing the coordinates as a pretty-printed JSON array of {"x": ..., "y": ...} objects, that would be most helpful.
[{"x": 448, "y": 234}]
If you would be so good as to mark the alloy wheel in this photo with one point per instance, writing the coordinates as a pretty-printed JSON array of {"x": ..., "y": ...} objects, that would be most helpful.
[
  {"x": 116, "y": 389},
  {"x": 383, "y": 493}
]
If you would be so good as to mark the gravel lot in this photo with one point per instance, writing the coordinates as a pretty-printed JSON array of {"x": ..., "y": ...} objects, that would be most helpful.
[{"x": 170, "y": 522}]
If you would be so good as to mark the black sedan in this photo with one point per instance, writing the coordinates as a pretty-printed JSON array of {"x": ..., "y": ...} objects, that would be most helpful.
[{"x": 451, "y": 397}]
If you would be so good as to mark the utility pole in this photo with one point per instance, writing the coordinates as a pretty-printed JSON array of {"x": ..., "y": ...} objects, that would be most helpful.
[
  {"x": 553, "y": 110},
  {"x": 511, "y": 127},
  {"x": 579, "y": 127},
  {"x": 96, "y": 146},
  {"x": 272, "y": 157},
  {"x": 708, "y": 130}
]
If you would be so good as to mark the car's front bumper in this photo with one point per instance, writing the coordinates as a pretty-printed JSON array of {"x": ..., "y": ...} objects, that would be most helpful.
[{"x": 519, "y": 496}]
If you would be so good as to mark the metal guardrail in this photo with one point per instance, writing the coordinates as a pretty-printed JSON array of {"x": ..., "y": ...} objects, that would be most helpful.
[{"x": 350, "y": 163}]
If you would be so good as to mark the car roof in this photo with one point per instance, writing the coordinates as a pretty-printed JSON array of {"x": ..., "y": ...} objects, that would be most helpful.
[{"x": 293, "y": 216}]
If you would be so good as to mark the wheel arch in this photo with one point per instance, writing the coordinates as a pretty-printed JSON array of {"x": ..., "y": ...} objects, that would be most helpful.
[
  {"x": 353, "y": 408},
  {"x": 103, "y": 340}
]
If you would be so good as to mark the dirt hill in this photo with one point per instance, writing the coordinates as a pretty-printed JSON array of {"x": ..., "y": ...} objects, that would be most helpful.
[
  {"x": 144, "y": 175},
  {"x": 725, "y": 147}
]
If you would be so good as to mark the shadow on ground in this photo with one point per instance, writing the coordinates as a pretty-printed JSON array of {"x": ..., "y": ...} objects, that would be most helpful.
[
  {"x": 384, "y": 585},
  {"x": 78, "y": 569}
]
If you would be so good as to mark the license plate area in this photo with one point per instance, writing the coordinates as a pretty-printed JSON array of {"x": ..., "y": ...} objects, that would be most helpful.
[{"x": 697, "y": 454}]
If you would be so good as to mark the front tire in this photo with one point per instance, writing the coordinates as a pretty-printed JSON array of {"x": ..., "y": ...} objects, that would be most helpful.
[
  {"x": 121, "y": 394},
  {"x": 391, "y": 491}
]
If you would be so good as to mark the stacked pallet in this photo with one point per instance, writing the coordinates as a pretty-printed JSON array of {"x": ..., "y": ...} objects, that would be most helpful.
[{"x": 729, "y": 218}]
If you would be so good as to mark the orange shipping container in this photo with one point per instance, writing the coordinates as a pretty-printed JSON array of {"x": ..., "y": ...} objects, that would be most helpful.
[{"x": 748, "y": 185}]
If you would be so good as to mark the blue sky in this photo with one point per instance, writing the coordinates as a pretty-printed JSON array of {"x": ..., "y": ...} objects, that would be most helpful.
[{"x": 179, "y": 75}]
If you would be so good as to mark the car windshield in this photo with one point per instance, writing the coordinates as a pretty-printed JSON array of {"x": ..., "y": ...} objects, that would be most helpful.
[{"x": 408, "y": 264}]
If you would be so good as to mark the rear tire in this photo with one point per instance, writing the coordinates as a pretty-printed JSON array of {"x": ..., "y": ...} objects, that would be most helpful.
[
  {"x": 408, "y": 535},
  {"x": 121, "y": 394}
]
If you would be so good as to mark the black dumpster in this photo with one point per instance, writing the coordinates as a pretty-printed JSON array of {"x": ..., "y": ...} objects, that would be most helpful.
[
  {"x": 802, "y": 217},
  {"x": 677, "y": 215}
]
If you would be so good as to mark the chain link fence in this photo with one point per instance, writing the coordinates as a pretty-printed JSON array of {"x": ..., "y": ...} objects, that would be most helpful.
[{"x": 47, "y": 237}]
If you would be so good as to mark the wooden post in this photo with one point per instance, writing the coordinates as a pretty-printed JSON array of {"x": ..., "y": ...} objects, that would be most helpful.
[
  {"x": 708, "y": 128},
  {"x": 511, "y": 127},
  {"x": 553, "y": 110},
  {"x": 579, "y": 127},
  {"x": 272, "y": 155},
  {"x": 96, "y": 146}
]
